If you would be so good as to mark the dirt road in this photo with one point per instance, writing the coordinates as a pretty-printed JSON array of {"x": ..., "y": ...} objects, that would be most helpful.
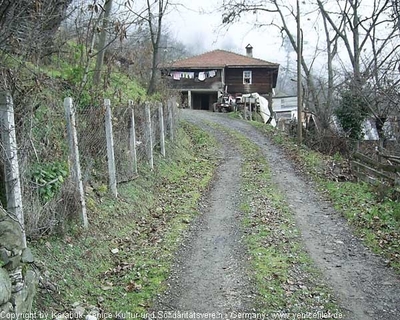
[{"x": 210, "y": 276}]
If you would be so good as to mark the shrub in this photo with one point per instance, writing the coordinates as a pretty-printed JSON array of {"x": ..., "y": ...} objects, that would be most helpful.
[
  {"x": 48, "y": 178},
  {"x": 351, "y": 113}
]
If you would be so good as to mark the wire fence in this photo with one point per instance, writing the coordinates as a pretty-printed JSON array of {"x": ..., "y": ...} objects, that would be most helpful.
[
  {"x": 113, "y": 140},
  {"x": 103, "y": 146}
]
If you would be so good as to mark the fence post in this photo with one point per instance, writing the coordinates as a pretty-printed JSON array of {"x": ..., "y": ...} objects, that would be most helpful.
[
  {"x": 162, "y": 131},
  {"x": 10, "y": 156},
  {"x": 74, "y": 152},
  {"x": 149, "y": 135},
  {"x": 171, "y": 118},
  {"x": 132, "y": 138},
  {"x": 250, "y": 111},
  {"x": 110, "y": 150},
  {"x": 380, "y": 150},
  {"x": 244, "y": 110}
]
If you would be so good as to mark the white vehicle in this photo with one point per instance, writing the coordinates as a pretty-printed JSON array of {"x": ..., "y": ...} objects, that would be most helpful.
[{"x": 263, "y": 106}]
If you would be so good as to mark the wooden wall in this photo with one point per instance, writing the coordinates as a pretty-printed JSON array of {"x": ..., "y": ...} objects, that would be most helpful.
[{"x": 262, "y": 80}]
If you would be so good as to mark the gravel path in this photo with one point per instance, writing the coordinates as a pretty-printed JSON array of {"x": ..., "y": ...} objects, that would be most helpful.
[{"x": 210, "y": 276}]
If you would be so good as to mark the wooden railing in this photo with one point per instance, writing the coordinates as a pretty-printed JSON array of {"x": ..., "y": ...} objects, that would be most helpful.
[{"x": 376, "y": 172}]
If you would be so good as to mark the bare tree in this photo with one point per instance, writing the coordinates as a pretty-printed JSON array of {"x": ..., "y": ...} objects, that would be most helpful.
[
  {"x": 369, "y": 39},
  {"x": 96, "y": 28},
  {"x": 155, "y": 21},
  {"x": 367, "y": 34},
  {"x": 396, "y": 12},
  {"x": 101, "y": 47},
  {"x": 287, "y": 73}
]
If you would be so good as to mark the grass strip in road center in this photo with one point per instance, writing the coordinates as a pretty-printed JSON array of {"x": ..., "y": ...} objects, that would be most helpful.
[{"x": 284, "y": 275}]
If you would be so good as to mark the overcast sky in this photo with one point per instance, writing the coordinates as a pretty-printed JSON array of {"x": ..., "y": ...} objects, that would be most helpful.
[{"x": 198, "y": 26}]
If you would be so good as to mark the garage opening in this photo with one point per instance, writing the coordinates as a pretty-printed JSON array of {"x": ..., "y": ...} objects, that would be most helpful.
[{"x": 203, "y": 101}]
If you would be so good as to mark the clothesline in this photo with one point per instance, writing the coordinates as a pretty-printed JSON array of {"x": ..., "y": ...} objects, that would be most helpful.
[{"x": 201, "y": 76}]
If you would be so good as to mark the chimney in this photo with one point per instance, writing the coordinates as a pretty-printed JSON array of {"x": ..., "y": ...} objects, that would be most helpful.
[{"x": 249, "y": 51}]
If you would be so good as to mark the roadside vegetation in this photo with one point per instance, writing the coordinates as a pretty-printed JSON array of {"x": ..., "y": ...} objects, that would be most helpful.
[
  {"x": 38, "y": 91},
  {"x": 52, "y": 50},
  {"x": 373, "y": 212},
  {"x": 121, "y": 262}
]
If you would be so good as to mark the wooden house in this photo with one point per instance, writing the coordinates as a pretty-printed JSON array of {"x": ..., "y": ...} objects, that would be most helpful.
[{"x": 204, "y": 78}]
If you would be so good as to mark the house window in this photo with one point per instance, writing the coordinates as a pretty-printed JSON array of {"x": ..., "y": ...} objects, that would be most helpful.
[{"x": 247, "y": 77}]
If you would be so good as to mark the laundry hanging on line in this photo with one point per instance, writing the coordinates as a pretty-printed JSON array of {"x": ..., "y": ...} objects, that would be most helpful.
[
  {"x": 177, "y": 75},
  {"x": 201, "y": 76},
  {"x": 212, "y": 73}
]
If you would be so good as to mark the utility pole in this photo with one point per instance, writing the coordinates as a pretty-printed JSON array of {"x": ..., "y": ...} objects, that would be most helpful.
[{"x": 299, "y": 98}]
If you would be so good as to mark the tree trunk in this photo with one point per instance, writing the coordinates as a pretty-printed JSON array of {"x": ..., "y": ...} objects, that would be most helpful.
[
  {"x": 102, "y": 43},
  {"x": 152, "y": 83},
  {"x": 309, "y": 78},
  {"x": 356, "y": 41},
  {"x": 396, "y": 11},
  {"x": 155, "y": 35}
]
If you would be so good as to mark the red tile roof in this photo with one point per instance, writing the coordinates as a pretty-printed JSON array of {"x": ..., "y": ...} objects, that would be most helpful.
[{"x": 221, "y": 59}]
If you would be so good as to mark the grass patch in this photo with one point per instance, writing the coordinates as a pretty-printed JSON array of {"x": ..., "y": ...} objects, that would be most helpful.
[
  {"x": 121, "y": 262},
  {"x": 372, "y": 211},
  {"x": 283, "y": 273},
  {"x": 375, "y": 220}
]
